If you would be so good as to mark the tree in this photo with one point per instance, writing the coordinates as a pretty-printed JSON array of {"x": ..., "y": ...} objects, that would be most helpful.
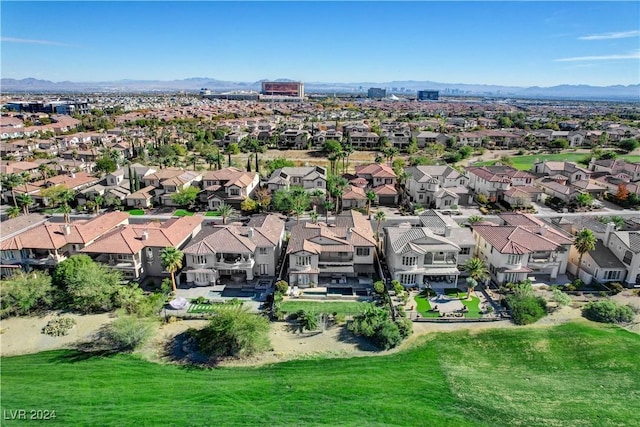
[
  {"x": 25, "y": 200},
  {"x": 629, "y": 145},
  {"x": 185, "y": 196},
  {"x": 12, "y": 181},
  {"x": 328, "y": 206},
  {"x": 105, "y": 164},
  {"x": 584, "y": 242},
  {"x": 471, "y": 285},
  {"x": 371, "y": 197},
  {"x": 308, "y": 320},
  {"x": 263, "y": 198},
  {"x": 249, "y": 205},
  {"x": 477, "y": 269},
  {"x": 171, "y": 261},
  {"x": 584, "y": 199},
  {"x": 234, "y": 332},
  {"x": 44, "y": 170},
  {"x": 225, "y": 210},
  {"x": 85, "y": 285},
  {"x": 278, "y": 163},
  {"x": 379, "y": 217},
  {"x": 13, "y": 212},
  {"x": 22, "y": 293},
  {"x": 622, "y": 194},
  {"x": 473, "y": 219}
]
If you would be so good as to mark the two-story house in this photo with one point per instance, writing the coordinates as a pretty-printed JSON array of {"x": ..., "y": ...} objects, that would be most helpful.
[
  {"x": 235, "y": 253},
  {"x": 49, "y": 243},
  {"x": 135, "y": 249},
  {"x": 381, "y": 179},
  {"x": 229, "y": 185},
  {"x": 440, "y": 187},
  {"x": 170, "y": 186},
  {"x": 524, "y": 247},
  {"x": 493, "y": 181},
  {"x": 332, "y": 255},
  {"x": 308, "y": 177}
]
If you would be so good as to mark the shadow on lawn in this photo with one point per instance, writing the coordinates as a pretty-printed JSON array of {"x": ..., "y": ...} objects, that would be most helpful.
[{"x": 349, "y": 337}]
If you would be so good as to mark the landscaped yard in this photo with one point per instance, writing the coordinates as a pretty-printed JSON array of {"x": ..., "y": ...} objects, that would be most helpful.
[
  {"x": 340, "y": 307},
  {"x": 423, "y": 306},
  {"x": 182, "y": 212},
  {"x": 577, "y": 374},
  {"x": 202, "y": 308},
  {"x": 212, "y": 213},
  {"x": 136, "y": 212},
  {"x": 473, "y": 306},
  {"x": 526, "y": 162}
]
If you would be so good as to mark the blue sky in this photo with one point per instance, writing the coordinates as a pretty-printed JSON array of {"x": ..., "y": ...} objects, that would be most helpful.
[{"x": 506, "y": 43}]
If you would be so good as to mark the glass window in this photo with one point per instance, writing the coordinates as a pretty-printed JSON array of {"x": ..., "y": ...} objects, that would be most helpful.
[{"x": 362, "y": 251}]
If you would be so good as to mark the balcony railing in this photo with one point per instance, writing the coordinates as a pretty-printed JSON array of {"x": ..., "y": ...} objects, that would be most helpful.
[{"x": 235, "y": 265}]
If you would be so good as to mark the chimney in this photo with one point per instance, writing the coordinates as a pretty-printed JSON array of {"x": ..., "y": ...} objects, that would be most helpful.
[
  {"x": 145, "y": 235},
  {"x": 543, "y": 230},
  {"x": 349, "y": 231},
  {"x": 447, "y": 230},
  {"x": 607, "y": 233},
  {"x": 250, "y": 232}
]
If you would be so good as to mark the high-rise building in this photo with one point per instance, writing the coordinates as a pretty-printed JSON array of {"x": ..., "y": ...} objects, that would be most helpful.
[
  {"x": 428, "y": 95},
  {"x": 376, "y": 93},
  {"x": 293, "y": 89}
]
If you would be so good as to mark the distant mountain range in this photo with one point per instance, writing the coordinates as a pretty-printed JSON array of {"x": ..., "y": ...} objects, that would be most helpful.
[{"x": 194, "y": 84}]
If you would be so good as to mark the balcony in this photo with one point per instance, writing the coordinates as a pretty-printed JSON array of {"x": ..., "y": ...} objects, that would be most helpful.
[
  {"x": 238, "y": 262},
  {"x": 45, "y": 260},
  {"x": 119, "y": 264}
]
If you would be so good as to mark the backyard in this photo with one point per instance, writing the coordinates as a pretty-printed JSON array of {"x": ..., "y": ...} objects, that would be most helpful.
[
  {"x": 573, "y": 374},
  {"x": 425, "y": 308},
  {"x": 328, "y": 307}
]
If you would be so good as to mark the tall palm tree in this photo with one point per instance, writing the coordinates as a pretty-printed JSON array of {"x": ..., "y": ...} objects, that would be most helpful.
[
  {"x": 477, "y": 270},
  {"x": 66, "y": 211},
  {"x": 314, "y": 216},
  {"x": 13, "y": 212},
  {"x": 44, "y": 170},
  {"x": 12, "y": 181},
  {"x": 225, "y": 211},
  {"x": 328, "y": 206},
  {"x": 371, "y": 197},
  {"x": 379, "y": 217},
  {"x": 171, "y": 261},
  {"x": 25, "y": 200},
  {"x": 99, "y": 200},
  {"x": 584, "y": 242}
]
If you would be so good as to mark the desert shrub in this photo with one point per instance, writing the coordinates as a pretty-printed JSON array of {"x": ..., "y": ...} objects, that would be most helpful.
[
  {"x": 339, "y": 318},
  {"x": 59, "y": 327},
  {"x": 200, "y": 300},
  {"x": 560, "y": 297},
  {"x": 527, "y": 309},
  {"x": 607, "y": 311},
  {"x": 234, "y": 332},
  {"x": 127, "y": 333},
  {"x": 615, "y": 287},
  {"x": 133, "y": 301},
  {"x": 405, "y": 326},
  {"x": 387, "y": 336},
  {"x": 379, "y": 288},
  {"x": 23, "y": 293}
]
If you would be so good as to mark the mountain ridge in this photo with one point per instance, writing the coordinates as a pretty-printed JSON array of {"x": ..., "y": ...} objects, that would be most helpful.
[{"x": 582, "y": 91}]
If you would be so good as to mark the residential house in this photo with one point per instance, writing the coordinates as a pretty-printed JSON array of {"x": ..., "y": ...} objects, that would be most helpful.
[
  {"x": 441, "y": 187},
  {"x": 237, "y": 253},
  {"x": 308, "y": 177},
  {"x": 354, "y": 198},
  {"x": 565, "y": 180},
  {"x": 48, "y": 243},
  {"x": 229, "y": 185},
  {"x": 364, "y": 140},
  {"x": 332, "y": 255},
  {"x": 135, "y": 249},
  {"x": 493, "y": 181},
  {"x": 599, "y": 264},
  {"x": 381, "y": 179},
  {"x": 294, "y": 138},
  {"x": 425, "y": 138},
  {"x": 522, "y": 247}
]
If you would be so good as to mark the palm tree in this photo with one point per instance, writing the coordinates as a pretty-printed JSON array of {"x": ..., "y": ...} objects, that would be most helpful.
[
  {"x": 328, "y": 206},
  {"x": 44, "y": 170},
  {"x": 477, "y": 270},
  {"x": 473, "y": 219},
  {"x": 584, "y": 242},
  {"x": 13, "y": 212},
  {"x": 171, "y": 262},
  {"x": 12, "y": 181},
  {"x": 371, "y": 197},
  {"x": 314, "y": 216},
  {"x": 225, "y": 211},
  {"x": 25, "y": 200},
  {"x": 348, "y": 151},
  {"x": 379, "y": 217},
  {"x": 66, "y": 211},
  {"x": 99, "y": 201}
]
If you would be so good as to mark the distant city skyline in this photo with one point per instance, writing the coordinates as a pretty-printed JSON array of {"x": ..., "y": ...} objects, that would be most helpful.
[{"x": 496, "y": 43}]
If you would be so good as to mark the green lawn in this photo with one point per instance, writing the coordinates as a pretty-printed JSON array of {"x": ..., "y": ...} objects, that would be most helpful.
[
  {"x": 340, "y": 307},
  {"x": 182, "y": 212},
  {"x": 212, "y": 213},
  {"x": 423, "y": 306},
  {"x": 577, "y": 374},
  {"x": 201, "y": 308},
  {"x": 136, "y": 212},
  {"x": 473, "y": 306},
  {"x": 526, "y": 162}
]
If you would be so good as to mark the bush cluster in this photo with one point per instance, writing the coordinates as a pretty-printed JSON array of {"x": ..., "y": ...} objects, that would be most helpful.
[
  {"x": 525, "y": 307},
  {"x": 384, "y": 333},
  {"x": 128, "y": 332},
  {"x": 59, "y": 327},
  {"x": 560, "y": 297},
  {"x": 607, "y": 311}
]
